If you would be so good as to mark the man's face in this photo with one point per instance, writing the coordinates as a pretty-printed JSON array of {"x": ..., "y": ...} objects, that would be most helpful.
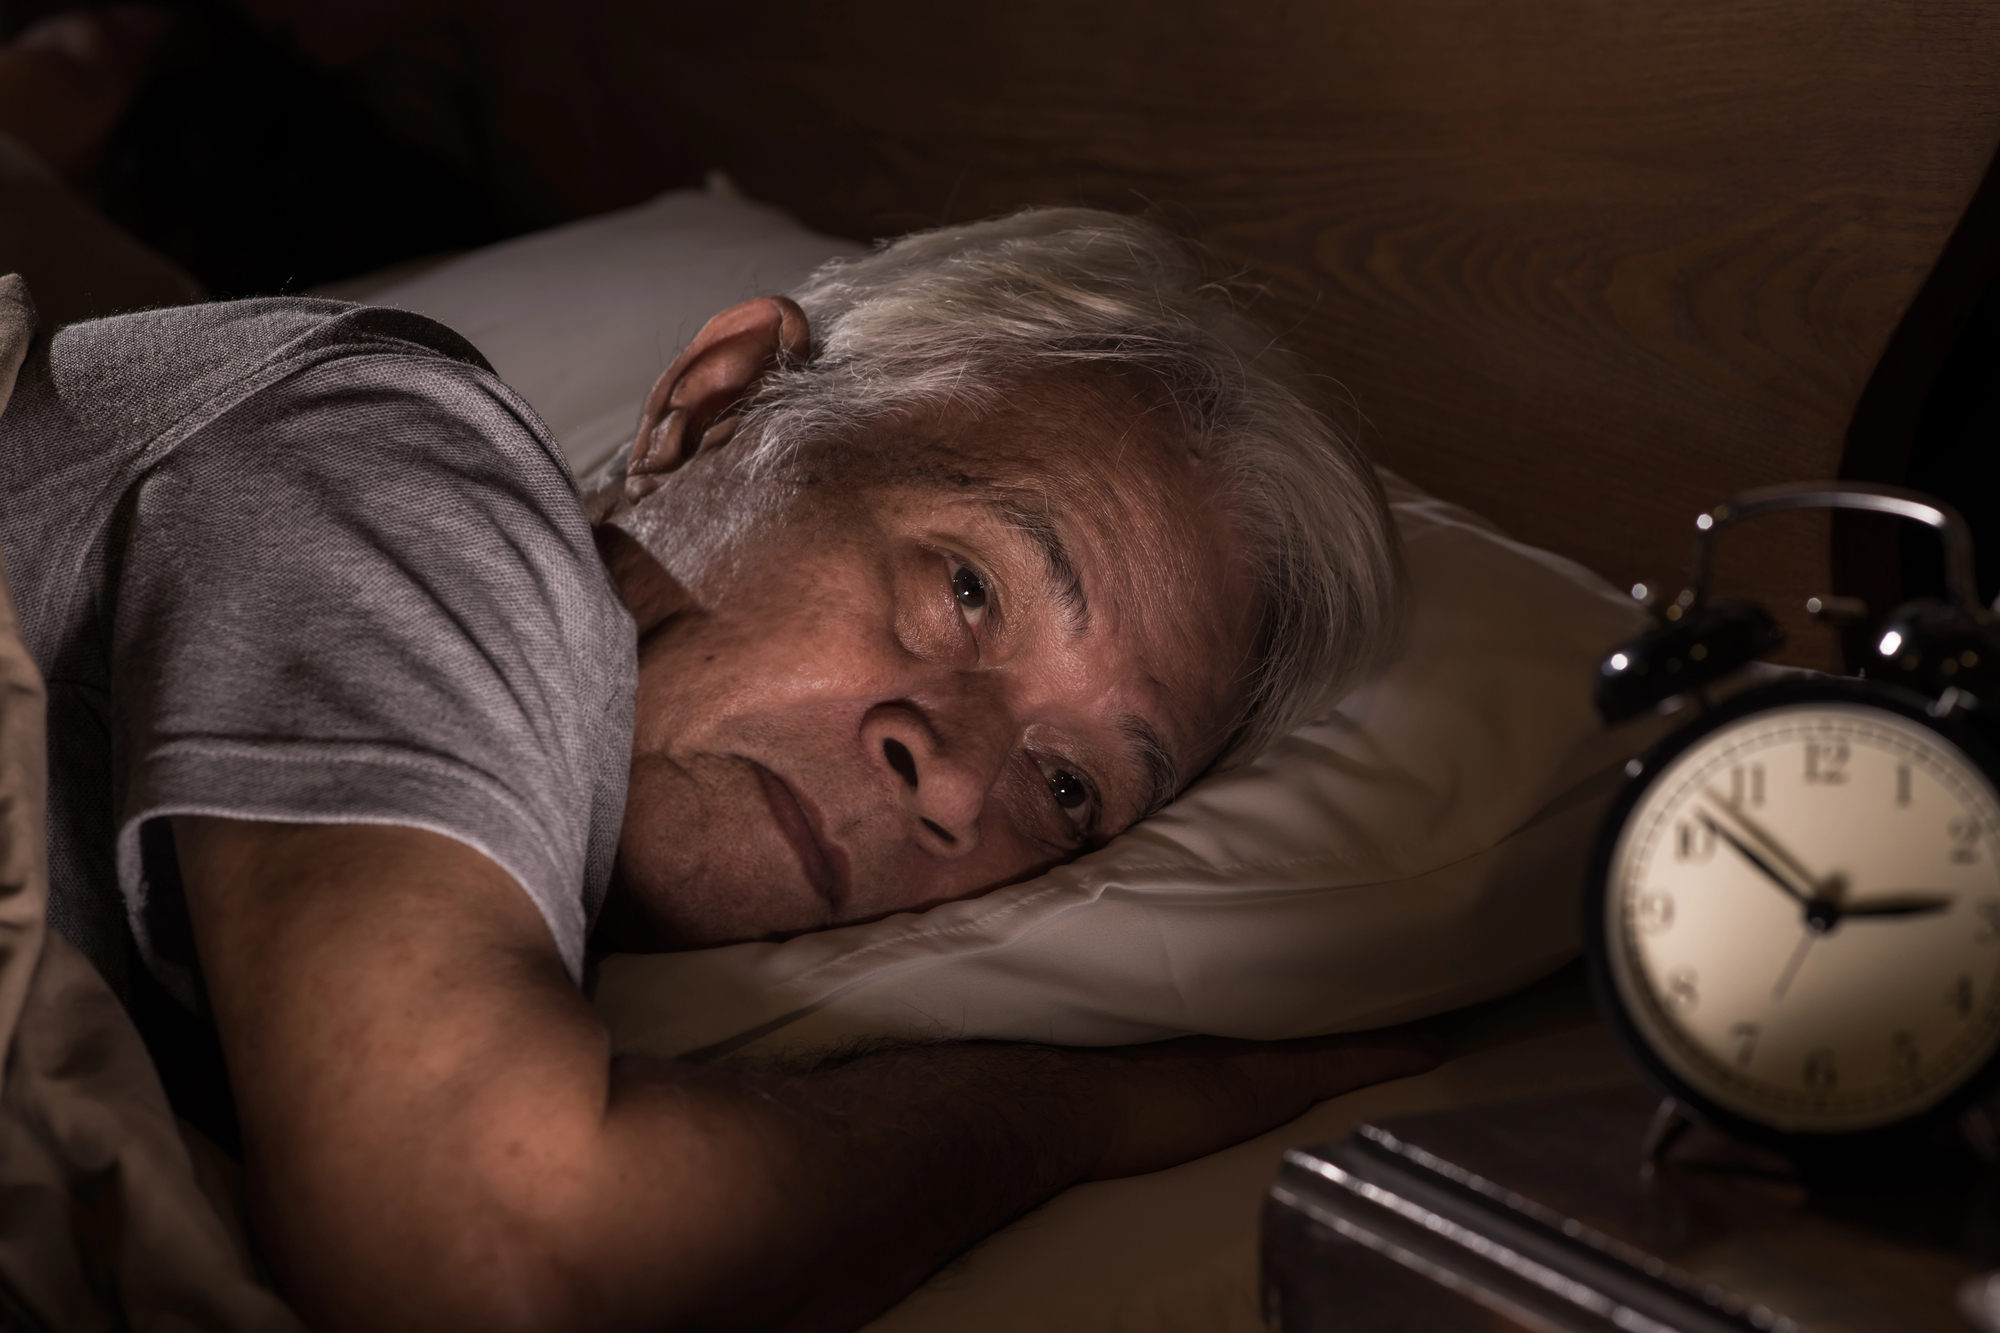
[{"x": 969, "y": 652}]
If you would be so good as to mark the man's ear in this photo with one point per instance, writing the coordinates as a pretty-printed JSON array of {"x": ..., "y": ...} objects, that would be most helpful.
[{"x": 690, "y": 407}]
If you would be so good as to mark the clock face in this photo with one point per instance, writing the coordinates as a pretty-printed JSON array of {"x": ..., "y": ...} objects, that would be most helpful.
[{"x": 1802, "y": 917}]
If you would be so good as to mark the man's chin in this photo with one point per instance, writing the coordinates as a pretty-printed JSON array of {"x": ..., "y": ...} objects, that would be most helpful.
[{"x": 679, "y": 919}]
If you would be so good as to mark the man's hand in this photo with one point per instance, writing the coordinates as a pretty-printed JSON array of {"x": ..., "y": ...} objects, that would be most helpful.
[{"x": 437, "y": 1137}]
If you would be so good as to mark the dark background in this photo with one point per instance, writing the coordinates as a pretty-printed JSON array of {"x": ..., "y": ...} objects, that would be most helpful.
[
  {"x": 275, "y": 146},
  {"x": 1956, "y": 455}
]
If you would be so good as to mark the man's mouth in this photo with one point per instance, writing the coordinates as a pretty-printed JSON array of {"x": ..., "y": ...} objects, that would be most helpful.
[{"x": 814, "y": 856}]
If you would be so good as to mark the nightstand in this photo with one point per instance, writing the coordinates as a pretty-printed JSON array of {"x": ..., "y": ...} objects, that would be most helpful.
[{"x": 1544, "y": 1215}]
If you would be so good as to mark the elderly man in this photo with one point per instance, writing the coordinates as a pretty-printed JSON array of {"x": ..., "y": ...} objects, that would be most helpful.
[{"x": 943, "y": 571}]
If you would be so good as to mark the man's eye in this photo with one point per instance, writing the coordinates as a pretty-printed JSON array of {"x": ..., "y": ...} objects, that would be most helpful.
[
  {"x": 969, "y": 590},
  {"x": 1068, "y": 790}
]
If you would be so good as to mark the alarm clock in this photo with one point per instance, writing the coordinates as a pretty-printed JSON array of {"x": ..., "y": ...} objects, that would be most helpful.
[{"x": 1792, "y": 920}]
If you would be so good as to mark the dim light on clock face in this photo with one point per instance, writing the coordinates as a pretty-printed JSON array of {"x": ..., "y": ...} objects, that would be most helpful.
[{"x": 1802, "y": 917}]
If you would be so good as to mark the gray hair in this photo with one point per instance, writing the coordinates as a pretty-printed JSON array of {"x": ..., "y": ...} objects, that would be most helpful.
[{"x": 959, "y": 314}]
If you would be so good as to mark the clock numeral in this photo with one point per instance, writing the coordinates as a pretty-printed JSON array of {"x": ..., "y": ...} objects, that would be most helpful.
[
  {"x": 1746, "y": 782},
  {"x": 1903, "y": 1054},
  {"x": 1902, "y": 784},
  {"x": 1656, "y": 911},
  {"x": 1959, "y": 996},
  {"x": 1820, "y": 1073},
  {"x": 1693, "y": 841},
  {"x": 1826, "y": 763},
  {"x": 1746, "y": 1042},
  {"x": 1681, "y": 989},
  {"x": 1964, "y": 833},
  {"x": 1989, "y": 922}
]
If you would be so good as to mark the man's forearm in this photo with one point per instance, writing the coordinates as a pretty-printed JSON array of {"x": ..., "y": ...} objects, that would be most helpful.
[
  {"x": 896, "y": 1162},
  {"x": 858, "y": 1182}
]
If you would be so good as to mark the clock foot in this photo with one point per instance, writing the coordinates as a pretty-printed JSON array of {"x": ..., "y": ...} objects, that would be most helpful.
[{"x": 1670, "y": 1121}]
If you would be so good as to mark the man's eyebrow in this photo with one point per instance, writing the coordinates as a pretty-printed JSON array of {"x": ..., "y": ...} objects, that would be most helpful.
[
  {"x": 1155, "y": 760},
  {"x": 1040, "y": 529}
]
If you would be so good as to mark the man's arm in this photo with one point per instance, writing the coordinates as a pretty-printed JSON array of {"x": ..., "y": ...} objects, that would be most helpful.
[{"x": 437, "y": 1136}]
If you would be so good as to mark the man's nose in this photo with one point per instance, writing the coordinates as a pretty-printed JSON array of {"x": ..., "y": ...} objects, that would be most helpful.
[{"x": 941, "y": 775}]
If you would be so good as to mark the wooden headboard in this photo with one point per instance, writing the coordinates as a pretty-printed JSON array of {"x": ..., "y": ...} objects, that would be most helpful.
[{"x": 1586, "y": 267}]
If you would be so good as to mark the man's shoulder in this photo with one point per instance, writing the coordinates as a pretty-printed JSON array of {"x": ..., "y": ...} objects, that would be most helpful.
[
  {"x": 341, "y": 416},
  {"x": 147, "y": 369},
  {"x": 254, "y": 330}
]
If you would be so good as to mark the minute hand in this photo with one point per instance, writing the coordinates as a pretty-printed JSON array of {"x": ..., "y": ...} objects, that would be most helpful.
[{"x": 1772, "y": 860}]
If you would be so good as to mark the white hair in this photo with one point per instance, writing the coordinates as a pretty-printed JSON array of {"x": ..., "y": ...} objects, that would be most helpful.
[{"x": 961, "y": 315}]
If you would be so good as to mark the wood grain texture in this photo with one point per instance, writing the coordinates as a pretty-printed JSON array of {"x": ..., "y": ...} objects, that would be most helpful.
[{"x": 1585, "y": 267}]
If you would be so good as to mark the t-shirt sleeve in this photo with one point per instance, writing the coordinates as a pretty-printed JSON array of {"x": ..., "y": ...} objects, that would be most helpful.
[{"x": 368, "y": 594}]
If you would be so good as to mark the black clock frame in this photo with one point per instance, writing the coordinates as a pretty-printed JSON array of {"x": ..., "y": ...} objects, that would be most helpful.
[{"x": 1965, "y": 729}]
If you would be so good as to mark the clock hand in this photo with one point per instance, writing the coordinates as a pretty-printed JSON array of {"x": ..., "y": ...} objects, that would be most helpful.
[
  {"x": 1744, "y": 850},
  {"x": 1803, "y": 884},
  {"x": 1792, "y": 967},
  {"x": 1897, "y": 904}
]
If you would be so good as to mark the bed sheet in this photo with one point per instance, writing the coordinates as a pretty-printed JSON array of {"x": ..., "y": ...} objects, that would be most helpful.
[{"x": 1176, "y": 1251}]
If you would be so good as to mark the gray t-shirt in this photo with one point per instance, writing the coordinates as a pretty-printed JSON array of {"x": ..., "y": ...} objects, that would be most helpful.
[{"x": 297, "y": 560}]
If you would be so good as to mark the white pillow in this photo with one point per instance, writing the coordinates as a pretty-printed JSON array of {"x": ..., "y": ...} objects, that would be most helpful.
[
  {"x": 582, "y": 319},
  {"x": 1422, "y": 848}
]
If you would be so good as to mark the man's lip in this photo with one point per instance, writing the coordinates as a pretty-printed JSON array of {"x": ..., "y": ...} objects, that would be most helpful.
[{"x": 822, "y": 863}]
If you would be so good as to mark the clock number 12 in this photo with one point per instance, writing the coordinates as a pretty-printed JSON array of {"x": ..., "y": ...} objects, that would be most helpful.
[{"x": 1826, "y": 764}]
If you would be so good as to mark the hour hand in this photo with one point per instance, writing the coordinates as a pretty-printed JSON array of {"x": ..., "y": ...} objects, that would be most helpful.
[
  {"x": 1771, "y": 867},
  {"x": 1897, "y": 904}
]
